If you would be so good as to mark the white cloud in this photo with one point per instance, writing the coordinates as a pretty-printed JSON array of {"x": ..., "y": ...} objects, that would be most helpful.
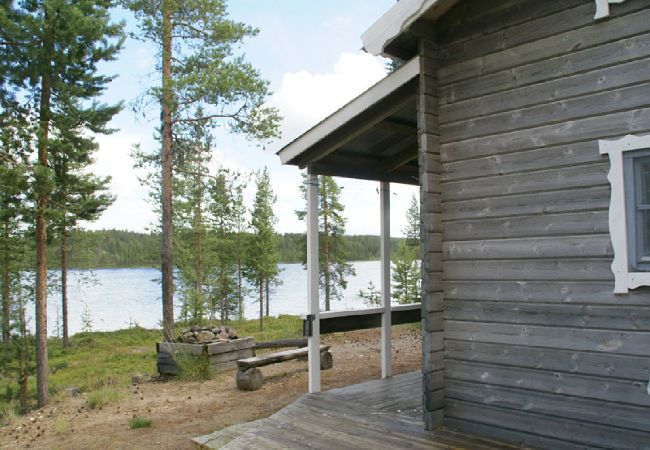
[{"x": 305, "y": 98}]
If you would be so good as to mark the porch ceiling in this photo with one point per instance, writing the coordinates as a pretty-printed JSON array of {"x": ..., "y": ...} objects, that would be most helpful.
[{"x": 374, "y": 137}]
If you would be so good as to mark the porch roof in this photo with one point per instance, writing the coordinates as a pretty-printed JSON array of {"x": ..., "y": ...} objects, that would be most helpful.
[{"x": 373, "y": 137}]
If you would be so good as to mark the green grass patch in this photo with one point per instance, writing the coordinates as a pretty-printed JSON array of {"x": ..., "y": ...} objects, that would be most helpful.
[
  {"x": 102, "y": 397},
  {"x": 61, "y": 425},
  {"x": 139, "y": 422},
  {"x": 101, "y": 360}
]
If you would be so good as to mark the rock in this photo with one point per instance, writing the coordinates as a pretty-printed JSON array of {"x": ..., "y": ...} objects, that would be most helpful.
[
  {"x": 204, "y": 336},
  {"x": 73, "y": 391},
  {"x": 140, "y": 378},
  {"x": 223, "y": 335},
  {"x": 232, "y": 333}
]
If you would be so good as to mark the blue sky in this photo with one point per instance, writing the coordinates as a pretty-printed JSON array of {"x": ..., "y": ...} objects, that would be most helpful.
[{"x": 310, "y": 53}]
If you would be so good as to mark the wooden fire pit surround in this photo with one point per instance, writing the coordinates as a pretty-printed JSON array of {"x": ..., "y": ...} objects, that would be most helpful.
[
  {"x": 238, "y": 353},
  {"x": 221, "y": 355}
]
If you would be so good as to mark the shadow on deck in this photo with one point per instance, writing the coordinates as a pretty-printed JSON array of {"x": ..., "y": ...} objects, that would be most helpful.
[{"x": 379, "y": 414}]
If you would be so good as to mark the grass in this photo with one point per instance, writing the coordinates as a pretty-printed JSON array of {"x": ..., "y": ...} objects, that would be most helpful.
[
  {"x": 139, "y": 422},
  {"x": 60, "y": 425},
  {"x": 105, "y": 361},
  {"x": 102, "y": 397}
]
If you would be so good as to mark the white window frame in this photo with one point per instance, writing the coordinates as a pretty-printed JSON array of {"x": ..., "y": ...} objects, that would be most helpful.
[{"x": 624, "y": 278}]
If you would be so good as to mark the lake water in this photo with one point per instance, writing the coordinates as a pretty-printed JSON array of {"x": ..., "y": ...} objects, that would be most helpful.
[{"x": 123, "y": 297}]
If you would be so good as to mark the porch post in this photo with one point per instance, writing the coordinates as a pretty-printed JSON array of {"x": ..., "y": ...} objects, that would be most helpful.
[
  {"x": 313, "y": 306},
  {"x": 386, "y": 350}
]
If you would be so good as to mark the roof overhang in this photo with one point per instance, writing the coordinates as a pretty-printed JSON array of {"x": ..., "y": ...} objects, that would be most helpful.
[
  {"x": 396, "y": 32},
  {"x": 372, "y": 137}
]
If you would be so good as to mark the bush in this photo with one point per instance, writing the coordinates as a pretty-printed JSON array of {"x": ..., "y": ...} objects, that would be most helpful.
[
  {"x": 139, "y": 422},
  {"x": 102, "y": 397}
]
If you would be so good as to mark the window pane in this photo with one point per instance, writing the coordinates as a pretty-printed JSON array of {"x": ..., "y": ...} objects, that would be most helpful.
[
  {"x": 645, "y": 182},
  {"x": 645, "y": 234}
]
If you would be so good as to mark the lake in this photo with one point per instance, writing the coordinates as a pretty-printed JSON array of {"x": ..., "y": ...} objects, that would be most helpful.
[{"x": 120, "y": 298}]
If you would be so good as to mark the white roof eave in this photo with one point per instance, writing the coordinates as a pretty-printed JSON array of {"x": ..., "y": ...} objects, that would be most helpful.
[{"x": 397, "y": 20}]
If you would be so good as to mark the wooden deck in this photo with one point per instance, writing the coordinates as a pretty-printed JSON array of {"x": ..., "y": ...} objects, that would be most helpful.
[{"x": 380, "y": 414}]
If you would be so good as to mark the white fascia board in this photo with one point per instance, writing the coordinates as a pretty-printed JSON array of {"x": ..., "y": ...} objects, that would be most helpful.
[
  {"x": 398, "y": 19},
  {"x": 348, "y": 112}
]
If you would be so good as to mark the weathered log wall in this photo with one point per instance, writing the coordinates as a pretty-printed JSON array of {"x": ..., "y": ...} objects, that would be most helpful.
[{"x": 537, "y": 347}]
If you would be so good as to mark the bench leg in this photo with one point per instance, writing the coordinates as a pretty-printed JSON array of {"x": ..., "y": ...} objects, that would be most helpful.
[
  {"x": 326, "y": 360},
  {"x": 249, "y": 380}
]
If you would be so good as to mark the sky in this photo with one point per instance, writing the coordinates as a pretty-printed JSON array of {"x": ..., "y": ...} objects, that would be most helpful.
[{"x": 310, "y": 52}]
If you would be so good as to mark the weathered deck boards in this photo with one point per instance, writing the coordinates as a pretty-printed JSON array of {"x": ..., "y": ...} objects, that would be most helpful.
[{"x": 380, "y": 414}]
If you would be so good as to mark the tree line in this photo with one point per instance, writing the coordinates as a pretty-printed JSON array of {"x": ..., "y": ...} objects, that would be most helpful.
[{"x": 102, "y": 249}]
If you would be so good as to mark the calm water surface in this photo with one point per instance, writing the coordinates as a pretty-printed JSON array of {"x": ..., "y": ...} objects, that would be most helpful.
[{"x": 123, "y": 297}]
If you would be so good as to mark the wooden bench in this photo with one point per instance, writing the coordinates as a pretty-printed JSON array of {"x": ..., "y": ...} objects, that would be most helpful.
[{"x": 250, "y": 378}]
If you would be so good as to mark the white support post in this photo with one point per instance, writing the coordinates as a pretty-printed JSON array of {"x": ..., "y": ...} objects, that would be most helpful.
[
  {"x": 386, "y": 350},
  {"x": 313, "y": 307}
]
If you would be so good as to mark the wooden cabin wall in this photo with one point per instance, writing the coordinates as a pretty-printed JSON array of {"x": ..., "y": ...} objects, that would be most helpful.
[{"x": 538, "y": 349}]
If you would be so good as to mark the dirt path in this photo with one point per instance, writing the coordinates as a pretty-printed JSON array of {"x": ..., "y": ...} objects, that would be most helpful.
[{"x": 182, "y": 410}]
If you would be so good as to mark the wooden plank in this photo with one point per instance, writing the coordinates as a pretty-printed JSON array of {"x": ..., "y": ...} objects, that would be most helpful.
[
  {"x": 538, "y": 203},
  {"x": 598, "y": 80},
  {"x": 590, "y": 59},
  {"x": 610, "y": 414},
  {"x": 594, "y": 435},
  {"x": 601, "y": 364},
  {"x": 231, "y": 356},
  {"x": 282, "y": 343},
  {"x": 174, "y": 347},
  {"x": 550, "y": 112},
  {"x": 475, "y": 19},
  {"x": 277, "y": 357},
  {"x": 536, "y": 22},
  {"x": 591, "y": 128},
  {"x": 616, "y": 28},
  {"x": 633, "y": 343},
  {"x": 561, "y": 315},
  {"x": 588, "y": 175},
  {"x": 570, "y": 292},
  {"x": 236, "y": 344},
  {"x": 596, "y": 269},
  {"x": 563, "y": 224},
  {"x": 588, "y": 246}
]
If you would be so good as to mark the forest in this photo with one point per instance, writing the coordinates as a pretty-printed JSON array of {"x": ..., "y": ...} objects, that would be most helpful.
[{"x": 119, "y": 248}]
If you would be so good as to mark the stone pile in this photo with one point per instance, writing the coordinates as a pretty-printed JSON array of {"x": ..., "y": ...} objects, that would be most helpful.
[{"x": 205, "y": 335}]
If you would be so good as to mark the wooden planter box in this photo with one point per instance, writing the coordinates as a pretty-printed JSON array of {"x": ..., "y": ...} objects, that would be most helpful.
[{"x": 221, "y": 355}]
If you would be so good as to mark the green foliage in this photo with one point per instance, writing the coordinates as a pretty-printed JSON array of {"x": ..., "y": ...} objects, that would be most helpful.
[
  {"x": 192, "y": 367},
  {"x": 262, "y": 260},
  {"x": 139, "y": 422},
  {"x": 102, "y": 397},
  {"x": 334, "y": 270},
  {"x": 406, "y": 265},
  {"x": 371, "y": 296},
  {"x": 86, "y": 320}
]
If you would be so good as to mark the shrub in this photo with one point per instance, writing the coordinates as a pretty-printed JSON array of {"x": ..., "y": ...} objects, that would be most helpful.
[
  {"x": 192, "y": 367},
  {"x": 139, "y": 422},
  {"x": 102, "y": 397}
]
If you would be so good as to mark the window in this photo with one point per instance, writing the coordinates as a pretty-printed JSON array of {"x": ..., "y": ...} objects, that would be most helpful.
[{"x": 629, "y": 210}]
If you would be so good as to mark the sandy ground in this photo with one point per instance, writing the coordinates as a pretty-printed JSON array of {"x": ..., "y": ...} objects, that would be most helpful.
[{"x": 182, "y": 410}]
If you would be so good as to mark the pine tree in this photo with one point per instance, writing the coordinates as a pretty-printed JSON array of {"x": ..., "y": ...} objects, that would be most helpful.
[
  {"x": 199, "y": 72},
  {"x": 57, "y": 47},
  {"x": 77, "y": 195},
  {"x": 334, "y": 270},
  {"x": 406, "y": 265},
  {"x": 263, "y": 255}
]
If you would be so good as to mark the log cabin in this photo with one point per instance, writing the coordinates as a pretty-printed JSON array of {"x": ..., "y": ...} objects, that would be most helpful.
[{"x": 526, "y": 126}]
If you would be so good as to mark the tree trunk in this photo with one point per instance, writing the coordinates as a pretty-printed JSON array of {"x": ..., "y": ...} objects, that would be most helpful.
[
  {"x": 326, "y": 252},
  {"x": 64, "y": 283},
  {"x": 24, "y": 361},
  {"x": 198, "y": 249},
  {"x": 267, "y": 297},
  {"x": 240, "y": 278},
  {"x": 166, "y": 157},
  {"x": 41, "y": 227},
  {"x": 222, "y": 300},
  {"x": 261, "y": 286},
  {"x": 5, "y": 286}
]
